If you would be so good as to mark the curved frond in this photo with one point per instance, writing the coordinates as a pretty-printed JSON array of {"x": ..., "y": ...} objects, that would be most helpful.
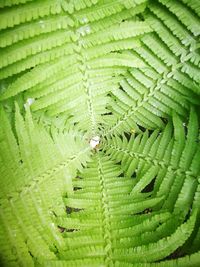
[
  {"x": 29, "y": 163},
  {"x": 99, "y": 133}
]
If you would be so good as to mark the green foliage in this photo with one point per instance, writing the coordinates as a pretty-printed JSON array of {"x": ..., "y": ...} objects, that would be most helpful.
[{"x": 127, "y": 72}]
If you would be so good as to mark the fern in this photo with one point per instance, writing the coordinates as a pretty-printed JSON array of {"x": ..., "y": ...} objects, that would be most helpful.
[{"x": 99, "y": 133}]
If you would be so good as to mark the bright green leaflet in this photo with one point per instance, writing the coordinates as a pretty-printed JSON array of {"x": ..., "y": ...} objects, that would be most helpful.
[{"x": 128, "y": 73}]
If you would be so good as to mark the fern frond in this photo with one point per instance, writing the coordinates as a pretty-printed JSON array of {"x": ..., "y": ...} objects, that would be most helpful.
[
  {"x": 164, "y": 157},
  {"x": 37, "y": 75},
  {"x": 184, "y": 15},
  {"x": 122, "y": 31},
  {"x": 178, "y": 38},
  {"x": 99, "y": 133},
  {"x": 96, "y": 194},
  {"x": 105, "y": 9},
  {"x": 147, "y": 96},
  {"x": 27, "y": 134},
  {"x": 27, "y": 179},
  {"x": 97, "y": 51},
  {"x": 116, "y": 59},
  {"x": 35, "y": 28},
  {"x": 193, "y": 5},
  {"x": 160, "y": 249},
  {"x": 38, "y": 59},
  {"x": 5, "y": 3},
  {"x": 23, "y": 13},
  {"x": 114, "y": 19},
  {"x": 22, "y": 50}
]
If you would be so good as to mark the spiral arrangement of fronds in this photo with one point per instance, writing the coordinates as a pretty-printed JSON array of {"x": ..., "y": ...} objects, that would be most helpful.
[{"x": 127, "y": 72}]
